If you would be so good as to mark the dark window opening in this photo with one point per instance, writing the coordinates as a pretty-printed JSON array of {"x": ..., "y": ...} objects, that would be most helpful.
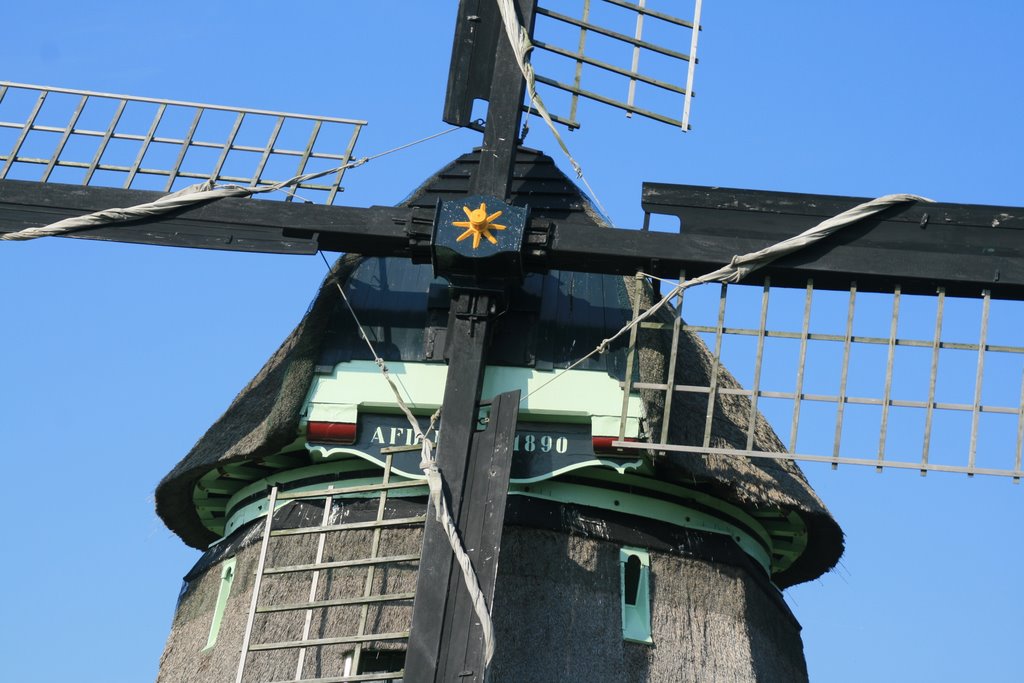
[
  {"x": 632, "y": 579},
  {"x": 383, "y": 662}
]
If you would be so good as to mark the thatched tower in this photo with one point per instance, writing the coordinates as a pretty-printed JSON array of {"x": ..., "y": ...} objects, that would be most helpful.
[{"x": 611, "y": 568}]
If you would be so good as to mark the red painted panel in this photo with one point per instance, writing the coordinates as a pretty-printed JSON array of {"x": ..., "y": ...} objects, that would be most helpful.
[
  {"x": 603, "y": 444},
  {"x": 332, "y": 432}
]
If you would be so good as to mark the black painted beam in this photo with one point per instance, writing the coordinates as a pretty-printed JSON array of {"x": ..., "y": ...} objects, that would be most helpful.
[
  {"x": 965, "y": 248},
  {"x": 481, "y": 524},
  {"x": 475, "y": 472},
  {"x": 504, "y": 112},
  {"x": 477, "y": 31},
  {"x": 445, "y": 642},
  {"x": 228, "y": 224}
]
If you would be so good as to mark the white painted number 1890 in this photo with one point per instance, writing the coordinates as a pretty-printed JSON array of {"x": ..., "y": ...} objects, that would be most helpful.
[{"x": 530, "y": 443}]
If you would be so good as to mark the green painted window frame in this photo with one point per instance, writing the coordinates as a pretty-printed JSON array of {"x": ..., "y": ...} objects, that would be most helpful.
[
  {"x": 227, "y": 578},
  {"x": 635, "y": 594}
]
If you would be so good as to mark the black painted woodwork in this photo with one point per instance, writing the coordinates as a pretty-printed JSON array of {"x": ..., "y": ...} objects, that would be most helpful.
[
  {"x": 444, "y": 642},
  {"x": 962, "y": 247},
  {"x": 475, "y": 469},
  {"x": 504, "y": 111},
  {"x": 232, "y": 224}
]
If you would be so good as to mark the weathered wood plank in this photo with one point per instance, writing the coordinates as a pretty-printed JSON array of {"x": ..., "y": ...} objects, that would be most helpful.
[{"x": 964, "y": 247}]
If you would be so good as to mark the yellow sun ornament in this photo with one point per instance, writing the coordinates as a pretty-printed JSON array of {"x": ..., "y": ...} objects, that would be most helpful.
[{"x": 479, "y": 224}]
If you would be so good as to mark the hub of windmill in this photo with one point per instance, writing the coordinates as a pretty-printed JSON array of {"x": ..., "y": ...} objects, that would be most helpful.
[{"x": 477, "y": 242}]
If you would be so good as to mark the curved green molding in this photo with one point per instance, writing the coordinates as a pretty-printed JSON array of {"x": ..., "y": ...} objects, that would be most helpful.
[
  {"x": 322, "y": 451},
  {"x": 716, "y": 516}
]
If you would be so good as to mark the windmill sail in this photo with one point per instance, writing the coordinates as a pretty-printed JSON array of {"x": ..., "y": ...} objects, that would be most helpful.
[
  {"x": 897, "y": 342},
  {"x": 627, "y": 55},
  {"x": 61, "y": 135}
]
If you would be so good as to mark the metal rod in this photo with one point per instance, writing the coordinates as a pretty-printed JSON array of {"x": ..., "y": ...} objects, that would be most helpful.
[
  {"x": 319, "y": 642},
  {"x": 145, "y": 146},
  {"x": 267, "y": 151},
  {"x": 607, "y": 100},
  {"x": 804, "y": 330},
  {"x": 314, "y": 583},
  {"x": 567, "y": 122},
  {"x": 177, "y": 103},
  {"x": 375, "y": 677},
  {"x": 574, "y": 100},
  {"x": 114, "y": 120},
  {"x": 612, "y": 34},
  {"x": 844, "y": 375},
  {"x": 932, "y": 376},
  {"x": 305, "y": 155},
  {"x": 228, "y": 145},
  {"x": 640, "y": 9},
  {"x": 271, "y": 503},
  {"x": 887, "y": 391},
  {"x": 336, "y": 186},
  {"x": 635, "y": 65},
  {"x": 881, "y": 341},
  {"x": 635, "y": 75},
  {"x": 24, "y": 134},
  {"x": 758, "y": 358},
  {"x": 670, "y": 377},
  {"x": 391, "y": 559},
  {"x": 716, "y": 359},
  {"x": 691, "y": 67},
  {"x": 978, "y": 379},
  {"x": 364, "y": 611},
  {"x": 638, "y": 283},
  {"x": 402, "y": 521},
  {"x": 345, "y": 490},
  {"x": 64, "y": 139},
  {"x": 186, "y": 142},
  {"x": 827, "y": 398},
  {"x": 340, "y": 602},
  {"x": 869, "y": 462},
  {"x": 1020, "y": 429}
]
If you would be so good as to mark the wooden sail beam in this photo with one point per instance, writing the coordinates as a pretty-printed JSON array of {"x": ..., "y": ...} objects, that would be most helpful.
[
  {"x": 962, "y": 247},
  {"x": 229, "y": 224}
]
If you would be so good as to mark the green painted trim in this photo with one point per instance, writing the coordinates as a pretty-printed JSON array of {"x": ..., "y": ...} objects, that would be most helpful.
[
  {"x": 255, "y": 510},
  {"x": 360, "y": 383},
  {"x": 636, "y": 618},
  {"x": 703, "y": 499},
  {"x": 227, "y": 578},
  {"x": 331, "y": 412},
  {"x": 650, "y": 508},
  {"x": 325, "y": 452},
  {"x": 774, "y": 542},
  {"x": 759, "y": 548}
]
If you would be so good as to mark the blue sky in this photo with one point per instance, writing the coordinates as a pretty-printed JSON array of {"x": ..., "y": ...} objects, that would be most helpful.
[{"x": 114, "y": 359}]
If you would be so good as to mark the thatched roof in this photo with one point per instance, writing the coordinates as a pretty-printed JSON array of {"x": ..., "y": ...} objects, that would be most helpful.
[{"x": 263, "y": 418}]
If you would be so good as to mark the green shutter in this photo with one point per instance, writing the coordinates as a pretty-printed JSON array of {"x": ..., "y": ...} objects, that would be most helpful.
[
  {"x": 227, "y": 577},
  {"x": 635, "y": 585}
]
